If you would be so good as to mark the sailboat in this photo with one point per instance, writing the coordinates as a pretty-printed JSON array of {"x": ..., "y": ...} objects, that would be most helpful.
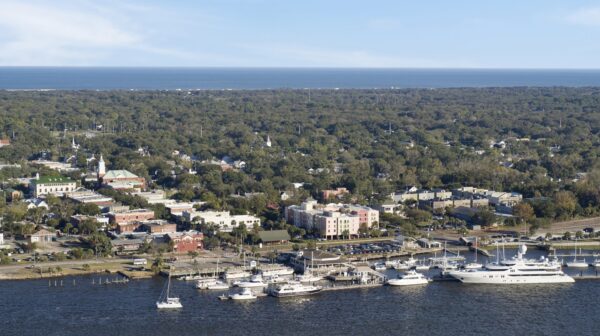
[
  {"x": 168, "y": 302},
  {"x": 577, "y": 263},
  {"x": 475, "y": 264},
  {"x": 308, "y": 275}
]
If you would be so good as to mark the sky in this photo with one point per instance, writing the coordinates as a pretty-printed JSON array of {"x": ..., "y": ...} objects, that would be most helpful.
[{"x": 301, "y": 33}]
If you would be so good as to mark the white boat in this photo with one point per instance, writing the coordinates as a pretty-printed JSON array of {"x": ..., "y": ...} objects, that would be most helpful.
[
  {"x": 521, "y": 272},
  {"x": 168, "y": 302},
  {"x": 308, "y": 277},
  {"x": 391, "y": 263},
  {"x": 254, "y": 282},
  {"x": 475, "y": 264},
  {"x": 295, "y": 289},
  {"x": 274, "y": 279},
  {"x": 245, "y": 294},
  {"x": 218, "y": 285},
  {"x": 577, "y": 263},
  {"x": 409, "y": 278},
  {"x": 281, "y": 271},
  {"x": 235, "y": 275},
  {"x": 379, "y": 266},
  {"x": 401, "y": 267},
  {"x": 596, "y": 263}
]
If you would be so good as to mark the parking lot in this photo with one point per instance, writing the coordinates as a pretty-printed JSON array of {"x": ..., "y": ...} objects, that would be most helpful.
[{"x": 366, "y": 248}]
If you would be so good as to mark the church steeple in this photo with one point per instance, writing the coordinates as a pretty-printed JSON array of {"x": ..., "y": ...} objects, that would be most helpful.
[
  {"x": 268, "y": 143},
  {"x": 101, "y": 167}
]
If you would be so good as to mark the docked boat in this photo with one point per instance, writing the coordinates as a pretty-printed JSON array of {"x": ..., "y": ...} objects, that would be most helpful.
[
  {"x": 521, "y": 272},
  {"x": 577, "y": 263},
  {"x": 472, "y": 265},
  {"x": 308, "y": 277},
  {"x": 254, "y": 282},
  {"x": 245, "y": 294},
  {"x": 281, "y": 271},
  {"x": 236, "y": 275},
  {"x": 409, "y": 278},
  {"x": 168, "y": 302},
  {"x": 596, "y": 263},
  {"x": 379, "y": 266},
  {"x": 217, "y": 285},
  {"x": 295, "y": 289}
]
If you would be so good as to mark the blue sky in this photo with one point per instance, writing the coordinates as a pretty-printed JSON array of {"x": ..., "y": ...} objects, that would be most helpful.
[{"x": 302, "y": 33}]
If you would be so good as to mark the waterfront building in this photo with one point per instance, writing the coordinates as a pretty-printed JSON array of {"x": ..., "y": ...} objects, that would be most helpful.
[
  {"x": 333, "y": 219},
  {"x": 52, "y": 185}
]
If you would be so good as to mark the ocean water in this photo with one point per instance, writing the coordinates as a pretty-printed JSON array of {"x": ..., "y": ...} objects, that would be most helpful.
[
  {"x": 111, "y": 78},
  {"x": 438, "y": 309}
]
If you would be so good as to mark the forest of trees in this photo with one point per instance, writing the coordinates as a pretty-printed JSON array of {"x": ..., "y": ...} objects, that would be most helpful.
[{"x": 372, "y": 142}]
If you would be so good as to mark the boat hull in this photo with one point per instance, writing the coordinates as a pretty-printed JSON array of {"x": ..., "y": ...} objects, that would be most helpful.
[
  {"x": 290, "y": 294},
  {"x": 168, "y": 305},
  {"x": 411, "y": 282}
]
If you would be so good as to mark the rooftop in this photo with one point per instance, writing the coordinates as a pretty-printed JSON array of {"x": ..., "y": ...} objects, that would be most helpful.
[{"x": 53, "y": 179}]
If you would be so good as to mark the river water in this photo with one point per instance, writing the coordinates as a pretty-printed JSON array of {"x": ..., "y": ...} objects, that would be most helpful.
[{"x": 441, "y": 308}]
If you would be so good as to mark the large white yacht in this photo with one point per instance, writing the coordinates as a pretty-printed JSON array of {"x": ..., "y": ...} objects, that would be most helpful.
[
  {"x": 408, "y": 279},
  {"x": 295, "y": 289},
  {"x": 517, "y": 271},
  {"x": 255, "y": 281}
]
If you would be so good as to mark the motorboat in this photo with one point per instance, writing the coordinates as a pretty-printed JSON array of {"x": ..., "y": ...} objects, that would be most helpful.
[
  {"x": 236, "y": 275},
  {"x": 281, "y": 271},
  {"x": 295, "y": 289},
  {"x": 409, "y": 278},
  {"x": 379, "y": 266},
  {"x": 245, "y": 294},
  {"x": 218, "y": 285},
  {"x": 472, "y": 265},
  {"x": 595, "y": 263},
  {"x": 254, "y": 282},
  {"x": 521, "y": 272}
]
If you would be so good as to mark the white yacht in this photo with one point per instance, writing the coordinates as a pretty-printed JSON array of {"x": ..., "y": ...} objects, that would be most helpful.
[
  {"x": 379, "y": 266},
  {"x": 281, "y": 271},
  {"x": 245, "y": 294},
  {"x": 295, "y": 289},
  {"x": 521, "y": 272},
  {"x": 254, "y": 282},
  {"x": 409, "y": 278},
  {"x": 235, "y": 275},
  {"x": 215, "y": 285},
  {"x": 168, "y": 302},
  {"x": 308, "y": 277},
  {"x": 596, "y": 263}
]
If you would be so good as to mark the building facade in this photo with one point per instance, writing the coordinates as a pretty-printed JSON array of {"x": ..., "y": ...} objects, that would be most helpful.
[{"x": 51, "y": 185}]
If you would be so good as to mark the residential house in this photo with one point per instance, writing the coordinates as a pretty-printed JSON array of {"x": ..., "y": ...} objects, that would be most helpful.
[{"x": 42, "y": 236}]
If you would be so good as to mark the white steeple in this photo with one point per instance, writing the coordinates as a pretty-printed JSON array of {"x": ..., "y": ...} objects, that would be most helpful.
[
  {"x": 101, "y": 167},
  {"x": 74, "y": 145},
  {"x": 268, "y": 141}
]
